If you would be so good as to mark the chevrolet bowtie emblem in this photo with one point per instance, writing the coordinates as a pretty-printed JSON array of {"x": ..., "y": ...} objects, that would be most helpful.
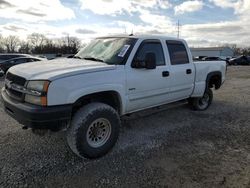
[{"x": 8, "y": 83}]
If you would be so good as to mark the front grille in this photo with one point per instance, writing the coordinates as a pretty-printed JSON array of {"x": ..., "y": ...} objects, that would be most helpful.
[{"x": 15, "y": 80}]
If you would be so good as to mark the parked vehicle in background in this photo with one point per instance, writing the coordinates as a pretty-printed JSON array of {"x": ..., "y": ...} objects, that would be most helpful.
[
  {"x": 226, "y": 58},
  {"x": 241, "y": 60},
  {"x": 5, "y": 65},
  {"x": 212, "y": 59},
  {"x": 7, "y": 56},
  {"x": 198, "y": 58},
  {"x": 41, "y": 57},
  {"x": 1, "y": 73},
  {"x": 111, "y": 77},
  {"x": 216, "y": 59}
]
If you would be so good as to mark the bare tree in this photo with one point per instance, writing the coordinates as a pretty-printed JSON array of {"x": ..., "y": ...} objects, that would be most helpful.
[
  {"x": 70, "y": 45},
  {"x": 25, "y": 47},
  {"x": 1, "y": 44},
  {"x": 237, "y": 50},
  {"x": 11, "y": 43},
  {"x": 37, "y": 41},
  {"x": 74, "y": 44},
  {"x": 39, "y": 44},
  {"x": 50, "y": 46}
]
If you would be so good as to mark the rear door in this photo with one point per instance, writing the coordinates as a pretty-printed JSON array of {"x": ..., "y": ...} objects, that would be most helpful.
[{"x": 182, "y": 70}]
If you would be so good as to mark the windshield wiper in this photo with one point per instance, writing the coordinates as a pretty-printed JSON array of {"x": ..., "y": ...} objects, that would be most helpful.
[{"x": 93, "y": 59}]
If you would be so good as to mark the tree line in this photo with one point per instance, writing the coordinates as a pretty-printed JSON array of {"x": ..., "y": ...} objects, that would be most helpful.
[
  {"x": 37, "y": 43},
  {"x": 241, "y": 51}
]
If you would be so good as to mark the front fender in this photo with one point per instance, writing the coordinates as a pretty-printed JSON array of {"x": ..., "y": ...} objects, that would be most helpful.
[
  {"x": 77, "y": 94},
  {"x": 67, "y": 96}
]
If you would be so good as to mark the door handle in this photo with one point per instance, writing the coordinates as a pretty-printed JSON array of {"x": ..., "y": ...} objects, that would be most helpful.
[
  {"x": 165, "y": 74},
  {"x": 188, "y": 71}
]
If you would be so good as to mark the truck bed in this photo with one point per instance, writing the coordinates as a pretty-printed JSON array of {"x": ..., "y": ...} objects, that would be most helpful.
[{"x": 203, "y": 69}]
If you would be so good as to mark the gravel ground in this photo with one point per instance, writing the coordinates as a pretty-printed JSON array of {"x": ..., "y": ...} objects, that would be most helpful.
[{"x": 170, "y": 146}]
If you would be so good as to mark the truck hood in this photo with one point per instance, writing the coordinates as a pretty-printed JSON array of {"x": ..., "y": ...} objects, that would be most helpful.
[{"x": 54, "y": 69}]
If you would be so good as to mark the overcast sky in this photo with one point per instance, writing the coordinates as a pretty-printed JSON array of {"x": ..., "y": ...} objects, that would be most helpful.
[{"x": 204, "y": 23}]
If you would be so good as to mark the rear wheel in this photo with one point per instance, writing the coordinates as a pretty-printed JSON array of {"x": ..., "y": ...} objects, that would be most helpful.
[
  {"x": 202, "y": 103},
  {"x": 94, "y": 130}
]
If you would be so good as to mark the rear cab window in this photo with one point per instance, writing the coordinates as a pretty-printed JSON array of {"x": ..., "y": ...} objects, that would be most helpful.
[{"x": 177, "y": 52}]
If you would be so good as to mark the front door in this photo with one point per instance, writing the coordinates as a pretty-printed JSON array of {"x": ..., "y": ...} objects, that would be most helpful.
[{"x": 147, "y": 87}]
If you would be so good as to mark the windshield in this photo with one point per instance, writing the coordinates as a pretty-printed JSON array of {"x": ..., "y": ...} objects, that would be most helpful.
[{"x": 108, "y": 50}]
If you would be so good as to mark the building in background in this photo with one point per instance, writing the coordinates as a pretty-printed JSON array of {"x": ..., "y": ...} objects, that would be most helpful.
[{"x": 213, "y": 52}]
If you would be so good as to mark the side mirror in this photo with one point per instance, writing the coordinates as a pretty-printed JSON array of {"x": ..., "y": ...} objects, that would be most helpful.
[{"x": 150, "y": 61}]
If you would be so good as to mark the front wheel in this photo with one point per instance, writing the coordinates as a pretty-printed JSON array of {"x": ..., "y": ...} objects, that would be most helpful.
[
  {"x": 94, "y": 130},
  {"x": 202, "y": 103}
]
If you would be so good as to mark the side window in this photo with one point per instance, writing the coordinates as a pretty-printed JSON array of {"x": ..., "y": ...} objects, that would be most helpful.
[
  {"x": 177, "y": 52},
  {"x": 152, "y": 47},
  {"x": 6, "y": 57},
  {"x": 29, "y": 60},
  {"x": 20, "y": 61}
]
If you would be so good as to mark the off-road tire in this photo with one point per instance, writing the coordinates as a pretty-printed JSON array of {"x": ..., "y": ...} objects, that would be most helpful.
[
  {"x": 77, "y": 133},
  {"x": 197, "y": 103}
]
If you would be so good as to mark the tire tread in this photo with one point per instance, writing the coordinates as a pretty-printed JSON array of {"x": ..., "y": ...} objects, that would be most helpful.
[{"x": 79, "y": 119}]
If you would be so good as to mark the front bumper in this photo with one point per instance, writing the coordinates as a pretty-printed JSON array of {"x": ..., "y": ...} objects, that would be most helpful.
[{"x": 37, "y": 117}]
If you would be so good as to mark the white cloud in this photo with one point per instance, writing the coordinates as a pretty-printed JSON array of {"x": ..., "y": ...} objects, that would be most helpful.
[
  {"x": 216, "y": 34},
  {"x": 188, "y": 6},
  {"x": 23, "y": 30},
  {"x": 116, "y": 7},
  {"x": 226, "y": 3},
  {"x": 146, "y": 9},
  {"x": 164, "y": 4},
  {"x": 157, "y": 22},
  {"x": 36, "y": 10},
  {"x": 241, "y": 7},
  {"x": 103, "y": 7},
  {"x": 154, "y": 19}
]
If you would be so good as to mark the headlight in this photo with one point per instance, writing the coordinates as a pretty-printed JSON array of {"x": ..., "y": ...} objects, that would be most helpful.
[{"x": 37, "y": 92}]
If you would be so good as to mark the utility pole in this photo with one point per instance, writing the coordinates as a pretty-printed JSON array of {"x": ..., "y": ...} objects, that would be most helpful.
[
  {"x": 68, "y": 39},
  {"x": 178, "y": 29},
  {"x": 68, "y": 44}
]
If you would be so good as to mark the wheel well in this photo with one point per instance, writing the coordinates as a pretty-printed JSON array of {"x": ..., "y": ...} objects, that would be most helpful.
[
  {"x": 214, "y": 80},
  {"x": 111, "y": 98}
]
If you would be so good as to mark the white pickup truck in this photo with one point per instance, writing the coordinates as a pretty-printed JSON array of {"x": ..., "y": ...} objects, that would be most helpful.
[{"x": 111, "y": 77}]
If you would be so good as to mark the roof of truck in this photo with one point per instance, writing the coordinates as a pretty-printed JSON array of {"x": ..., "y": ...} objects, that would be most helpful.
[{"x": 140, "y": 36}]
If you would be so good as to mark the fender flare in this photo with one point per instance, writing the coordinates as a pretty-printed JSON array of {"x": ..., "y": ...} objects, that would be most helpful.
[{"x": 210, "y": 75}]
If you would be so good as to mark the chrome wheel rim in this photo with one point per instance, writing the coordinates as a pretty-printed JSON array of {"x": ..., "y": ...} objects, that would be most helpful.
[
  {"x": 98, "y": 132},
  {"x": 203, "y": 102}
]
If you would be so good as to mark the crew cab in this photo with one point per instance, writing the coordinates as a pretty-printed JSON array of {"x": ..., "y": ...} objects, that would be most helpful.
[{"x": 111, "y": 77}]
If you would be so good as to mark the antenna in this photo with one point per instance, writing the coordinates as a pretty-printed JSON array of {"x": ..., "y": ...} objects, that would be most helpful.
[{"x": 132, "y": 33}]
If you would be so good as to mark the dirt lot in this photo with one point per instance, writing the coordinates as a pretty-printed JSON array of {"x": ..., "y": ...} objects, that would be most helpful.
[{"x": 166, "y": 147}]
